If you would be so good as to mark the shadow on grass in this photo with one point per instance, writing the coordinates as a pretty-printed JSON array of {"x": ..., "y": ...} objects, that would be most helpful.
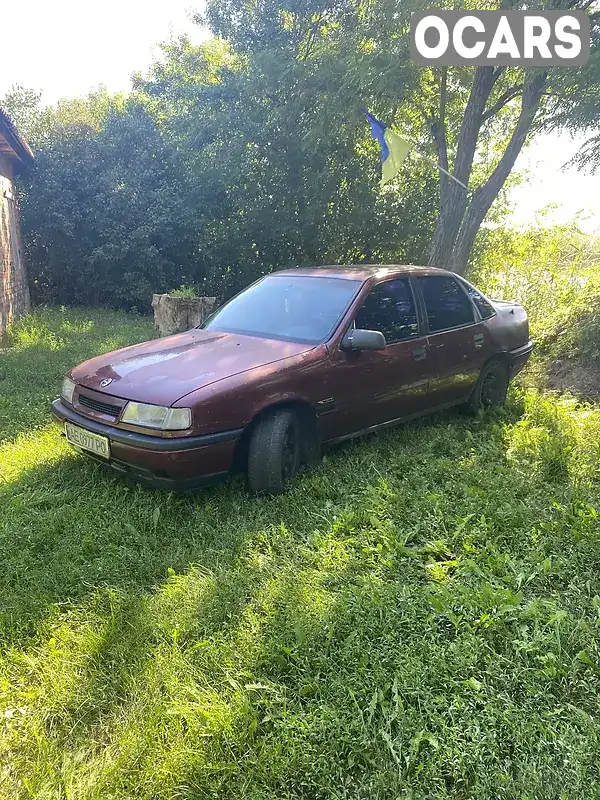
[
  {"x": 72, "y": 526},
  {"x": 380, "y": 628}
]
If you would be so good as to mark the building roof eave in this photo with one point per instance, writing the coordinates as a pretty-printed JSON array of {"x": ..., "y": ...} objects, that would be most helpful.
[{"x": 14, "y": 140}]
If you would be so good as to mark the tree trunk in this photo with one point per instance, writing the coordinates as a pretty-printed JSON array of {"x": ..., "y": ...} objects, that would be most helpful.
[
  {"x": 177, "y": 314},
  {"x": 483, "y": 198},
  {"x": 453, "y": 198},
  {"x": 460, "y": 219}
]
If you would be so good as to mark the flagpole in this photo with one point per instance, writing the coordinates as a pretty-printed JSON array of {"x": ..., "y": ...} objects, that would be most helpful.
[{"x": 441, "y": 169}]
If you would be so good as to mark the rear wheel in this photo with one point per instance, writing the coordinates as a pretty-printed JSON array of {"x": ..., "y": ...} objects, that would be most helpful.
[
  {"x": 491, "y": 388},
  {"x": 274, "y": 452}
]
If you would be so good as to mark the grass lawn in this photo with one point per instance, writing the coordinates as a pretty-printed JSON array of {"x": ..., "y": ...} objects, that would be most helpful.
[{"x": 418, "y": 617}]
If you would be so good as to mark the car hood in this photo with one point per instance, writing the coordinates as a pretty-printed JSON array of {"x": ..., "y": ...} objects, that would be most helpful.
[{"x": 164, "y": 370}]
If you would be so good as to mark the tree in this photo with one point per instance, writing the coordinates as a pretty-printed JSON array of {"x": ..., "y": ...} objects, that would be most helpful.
[
  {"x": 460, "y": 214},
  {"x": 272, "y": 131},
  {"x": 108, "y": 212},
  {"x": 213, "y": 172},
  {"x": 476, "y": 120},
  {"x": 541, "y": 100},
  {"x": 249, "y": 153},
  {"x": 579, "y": 108}
]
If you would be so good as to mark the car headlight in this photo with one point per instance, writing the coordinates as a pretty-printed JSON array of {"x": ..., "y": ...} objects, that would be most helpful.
[
  {"x": 68, "y": 387},
  {"x": 161, "y": 417}
]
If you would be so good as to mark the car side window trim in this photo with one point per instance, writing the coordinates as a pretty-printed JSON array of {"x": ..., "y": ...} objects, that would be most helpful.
[
  {"x": 466, "y": 286},
  {"x": 455, "y": 327}
]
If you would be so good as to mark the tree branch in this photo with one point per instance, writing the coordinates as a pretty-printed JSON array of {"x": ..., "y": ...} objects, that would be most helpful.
[
  {"x": 428, "y": 119},
  {"x": 311, "y": 36},
  {"x": 483, "y": 83},
  {"x": 505, "y": 98},
  {"x": 532, "y": 95}
]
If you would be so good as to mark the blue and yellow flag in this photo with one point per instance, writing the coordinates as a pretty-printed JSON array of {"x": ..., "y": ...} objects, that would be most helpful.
[{"x": 394, "y": 148}]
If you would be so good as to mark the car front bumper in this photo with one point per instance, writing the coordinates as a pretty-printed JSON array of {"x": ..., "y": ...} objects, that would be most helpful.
[{"x": 176, "y": 464}]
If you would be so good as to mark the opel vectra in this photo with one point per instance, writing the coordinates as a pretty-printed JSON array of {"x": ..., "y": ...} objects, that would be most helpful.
[{"x": 299, "y": 360}]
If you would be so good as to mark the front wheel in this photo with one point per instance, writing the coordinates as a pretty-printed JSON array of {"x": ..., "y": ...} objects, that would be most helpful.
[
  {"x": 274, "y": 452},
  {"x": 491, "y": 388}
]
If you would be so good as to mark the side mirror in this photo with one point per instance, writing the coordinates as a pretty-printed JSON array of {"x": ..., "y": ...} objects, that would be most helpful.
[{"x": 359, "y": 339}]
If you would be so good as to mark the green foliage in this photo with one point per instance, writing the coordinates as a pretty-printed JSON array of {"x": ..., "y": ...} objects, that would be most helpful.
[
  {"x": 249, "y": 153},
  {"x": 213, "y": 172},
  {"x": 474, "y": 120},
  {"x": 184, "y": 292},
  {"x": 578, "y": 109},
  {"x": 552, "y": 271},
  {"x": 107, "y": 209},
  {"x": 555, "y": 273},
  {"x": 577, "y": 331},
  {"x": 417, "y": 617}
]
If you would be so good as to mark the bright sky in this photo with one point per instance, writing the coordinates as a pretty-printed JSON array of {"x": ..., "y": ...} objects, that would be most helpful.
[
  {"x": 573, "y": 192},
  {"x": 66, "y": 47}
]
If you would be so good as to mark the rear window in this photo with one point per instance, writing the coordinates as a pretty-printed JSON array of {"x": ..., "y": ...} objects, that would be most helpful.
[
  {"x": 295, "y": 308},
  {"x": 485, "y": 308}
]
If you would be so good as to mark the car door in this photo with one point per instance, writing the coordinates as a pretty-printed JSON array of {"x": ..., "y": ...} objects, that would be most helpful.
[
  {"x": 370, "y": 388},
  {"x": 458, "y": 341}
]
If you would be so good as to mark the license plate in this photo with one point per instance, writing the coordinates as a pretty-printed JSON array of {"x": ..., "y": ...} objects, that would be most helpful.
[{"x": 93, "y": 442}]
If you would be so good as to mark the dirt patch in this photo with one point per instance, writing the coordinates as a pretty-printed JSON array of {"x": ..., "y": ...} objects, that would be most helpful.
[{"x": 571, "y": 375}]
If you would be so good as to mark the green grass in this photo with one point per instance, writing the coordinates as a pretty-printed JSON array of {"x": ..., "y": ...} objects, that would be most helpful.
[{"x": 418, "y": 617}]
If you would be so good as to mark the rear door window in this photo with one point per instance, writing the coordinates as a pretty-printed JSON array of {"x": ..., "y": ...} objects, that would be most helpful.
[
  {"x": 446, "y": 304},
  {"x": 390, "y": 308}
]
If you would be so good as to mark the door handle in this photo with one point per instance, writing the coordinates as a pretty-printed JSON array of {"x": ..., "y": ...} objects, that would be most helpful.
[
  {"x": 419, "y": 354},
  {"x": 479, "y": 340}
]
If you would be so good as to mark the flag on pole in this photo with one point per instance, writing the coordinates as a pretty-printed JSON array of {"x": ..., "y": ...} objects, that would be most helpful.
[{"x": 394, "y": 148}]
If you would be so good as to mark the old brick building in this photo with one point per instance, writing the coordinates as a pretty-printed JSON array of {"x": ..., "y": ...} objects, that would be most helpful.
[{"x": 14, "y": 292}]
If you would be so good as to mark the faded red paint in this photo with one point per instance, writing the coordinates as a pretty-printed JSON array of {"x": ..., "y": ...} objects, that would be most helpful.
[{"x": 228, "y": 380}]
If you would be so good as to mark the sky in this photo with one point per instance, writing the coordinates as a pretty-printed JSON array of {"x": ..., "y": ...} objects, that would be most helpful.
[{"x": 64, "y": 48}]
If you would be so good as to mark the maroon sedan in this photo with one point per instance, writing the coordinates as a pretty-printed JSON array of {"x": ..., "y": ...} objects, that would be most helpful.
[{"x": 299, "y": 360}]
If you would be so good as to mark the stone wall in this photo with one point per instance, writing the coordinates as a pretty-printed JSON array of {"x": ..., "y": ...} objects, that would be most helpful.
[{"x": 14, "y": 291}]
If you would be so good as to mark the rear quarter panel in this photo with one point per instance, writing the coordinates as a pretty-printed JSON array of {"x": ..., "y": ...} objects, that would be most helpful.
[{"x": 509, "y": 327}]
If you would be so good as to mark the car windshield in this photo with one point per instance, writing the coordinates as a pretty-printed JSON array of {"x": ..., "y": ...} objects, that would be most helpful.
[{"x": 294, "y": 308}]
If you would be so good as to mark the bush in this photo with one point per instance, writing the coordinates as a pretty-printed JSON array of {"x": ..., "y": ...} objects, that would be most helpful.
[
  {"x": 577, "y": 328},
  {"x": 547, "y": 270},
  {"x": 555, "y": 274}
]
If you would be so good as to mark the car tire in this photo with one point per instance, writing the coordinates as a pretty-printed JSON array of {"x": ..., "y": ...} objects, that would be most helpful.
[
  {"x": 274, "y": 452},
  {"x": 491, "y": 387}
]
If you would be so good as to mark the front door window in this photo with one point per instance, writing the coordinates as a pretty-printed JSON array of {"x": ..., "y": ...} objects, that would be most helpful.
[{"x": 390, "y": 308}]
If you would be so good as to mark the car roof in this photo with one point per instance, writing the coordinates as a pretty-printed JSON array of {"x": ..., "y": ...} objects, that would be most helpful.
[{"x": 361, "y": 272}]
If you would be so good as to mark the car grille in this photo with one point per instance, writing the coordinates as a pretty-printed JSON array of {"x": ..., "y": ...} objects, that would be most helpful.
[{"x": 96, "y": 405}]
